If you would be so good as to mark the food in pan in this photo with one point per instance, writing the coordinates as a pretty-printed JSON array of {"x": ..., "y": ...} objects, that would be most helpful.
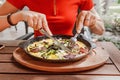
[{"x": 46, "y": 49}]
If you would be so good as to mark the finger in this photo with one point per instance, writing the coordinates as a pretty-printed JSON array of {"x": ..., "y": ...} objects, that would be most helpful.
[
  {"x": 35, "y": 22},
  {"x": 39, "y": 23},
  {"x": 80, "y": 21},
  {"x": 45, "y": 25},
  {"x": 87, "y": 19},
  {"x": 93, "y": 20},
  {"x": 30, "y": 22}
]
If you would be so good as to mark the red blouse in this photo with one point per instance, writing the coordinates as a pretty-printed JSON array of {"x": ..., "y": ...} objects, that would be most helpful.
[{"x": 61, "y": 14}]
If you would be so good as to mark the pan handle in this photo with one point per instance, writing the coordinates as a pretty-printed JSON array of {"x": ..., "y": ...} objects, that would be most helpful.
[{"x": 22, "y": 45}]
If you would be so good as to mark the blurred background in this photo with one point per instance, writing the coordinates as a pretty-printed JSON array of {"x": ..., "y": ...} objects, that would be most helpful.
[{"x": 109, "y": 10}]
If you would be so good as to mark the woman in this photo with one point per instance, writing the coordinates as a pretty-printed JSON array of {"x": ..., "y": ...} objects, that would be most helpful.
[{"x": 55, "y": 16}]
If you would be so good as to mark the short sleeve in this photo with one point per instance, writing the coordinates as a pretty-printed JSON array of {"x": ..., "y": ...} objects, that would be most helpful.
[
  {"x": 17, "y": 3},
  {"x": 86, "y": 4}
]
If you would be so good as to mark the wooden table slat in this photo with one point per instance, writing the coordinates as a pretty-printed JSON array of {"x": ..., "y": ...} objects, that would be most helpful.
[
  {"x": 11, "y": 70},
  {"x": 17, "y": 68},
  {"x": 114, "y": 53},
  {"x": 10, "y": 42},
  {"x": 7, "y": 50},
  {"x": 109, "y": 61},
  {"x": 55, "y": 77},
  {"x": 6, "y": 58}
]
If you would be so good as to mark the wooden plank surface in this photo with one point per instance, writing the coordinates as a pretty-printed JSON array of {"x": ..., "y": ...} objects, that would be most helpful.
[
  {"x": 7, "y": 50},
  {"x": 109, "y": 61},
  {"x": 8, "y": 66},
  {"x": 55, "y": 77},
  {"x": 17, "y": 68},
  {"x": 10, "y": 42},
  {"x": 113, "y": 52},
  {"x": 6, "y": 58}
]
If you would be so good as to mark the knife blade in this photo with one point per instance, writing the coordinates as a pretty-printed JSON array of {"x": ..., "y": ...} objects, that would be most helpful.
[{"x": 55, "y": 41}]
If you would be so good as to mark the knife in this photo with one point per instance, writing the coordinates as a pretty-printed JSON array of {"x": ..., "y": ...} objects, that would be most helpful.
[{"x": 55, "y": 41}]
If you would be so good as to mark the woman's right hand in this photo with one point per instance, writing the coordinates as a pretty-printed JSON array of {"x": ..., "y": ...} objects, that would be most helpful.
[{"x": 34, "y": 19}]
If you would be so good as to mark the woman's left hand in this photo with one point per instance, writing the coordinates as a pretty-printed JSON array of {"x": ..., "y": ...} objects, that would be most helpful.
[{"x": 85, "y": 18}]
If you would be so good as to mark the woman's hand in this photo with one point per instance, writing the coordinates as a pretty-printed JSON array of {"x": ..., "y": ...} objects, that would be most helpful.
[
  {"x": 34, "y": 19},
  {"x": 90, "y": 19}
]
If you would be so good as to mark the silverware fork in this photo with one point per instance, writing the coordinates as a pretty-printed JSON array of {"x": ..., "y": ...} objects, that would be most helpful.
[{"x": 73, "y": 39}]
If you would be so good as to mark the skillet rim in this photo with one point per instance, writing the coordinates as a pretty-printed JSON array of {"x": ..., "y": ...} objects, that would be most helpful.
[{"x": 24, "y": 45}]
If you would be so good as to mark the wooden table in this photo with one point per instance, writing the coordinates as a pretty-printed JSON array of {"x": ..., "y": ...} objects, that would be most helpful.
[{"x": 12, "y": 70}]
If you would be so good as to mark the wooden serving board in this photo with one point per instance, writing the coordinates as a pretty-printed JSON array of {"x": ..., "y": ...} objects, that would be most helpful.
[{"x": 93, "y": 60}]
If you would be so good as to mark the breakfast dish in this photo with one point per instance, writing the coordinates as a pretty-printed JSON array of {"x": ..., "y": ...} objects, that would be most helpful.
[{"x": 46, "y": 49}]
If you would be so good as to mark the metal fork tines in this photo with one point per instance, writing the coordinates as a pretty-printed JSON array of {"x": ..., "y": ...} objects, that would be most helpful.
[
  {"x": 73, "y": 40},
  {"x": 55, "y": 41}
]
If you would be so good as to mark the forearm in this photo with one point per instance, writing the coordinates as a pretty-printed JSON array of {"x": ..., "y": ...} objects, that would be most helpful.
[
  {"x": 15, "y": 18},
  {"x": 3, "y": 23},
  {"x": 5, "y": 9}
]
